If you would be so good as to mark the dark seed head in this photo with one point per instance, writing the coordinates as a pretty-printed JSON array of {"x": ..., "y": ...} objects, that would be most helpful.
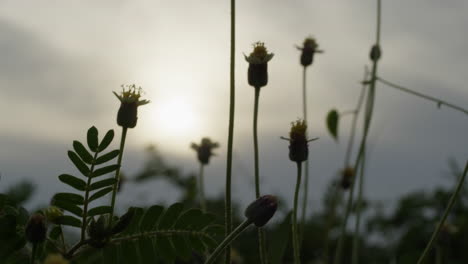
[
  {"x": 205, "y": 150},
  {"x": 262, "y": 210},
  {"x": 298, "y": 143},
  {"x": 375, "y": 53},
  {"x": 36, "y": 229}
]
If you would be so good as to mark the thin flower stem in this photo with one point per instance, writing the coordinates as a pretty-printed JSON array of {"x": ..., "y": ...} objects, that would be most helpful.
[
  {"x": 62, "y": 238},
  {"x": 117, "y": 173},
  {"x": 330, "y": 220},
  {"x": 306, "y": 163},
  {"x": 355, "y": 250},
  {"x": 367, "y": 121},
  {"x": 427, "y": 97},
  {"x": 86, "y": 202},
  {"x": 227, "y": 241},
  {"x": 439, "y": 256},
  {"x": 201, "y": 188},
  {"x": 449, "y": 207},
  {"x": 33, "y": 253},
  {"x": 295, "y": 234},
  {"x": 227, "y": 201},
  {"x": 77, "y": 246}
]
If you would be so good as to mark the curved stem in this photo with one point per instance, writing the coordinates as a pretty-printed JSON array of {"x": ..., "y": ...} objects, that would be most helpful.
[
  {"x": 306, "y": 163},
  {"x": 355, "y": 252},
  {"x": 452, "y": 200},
  {"x": 201, "y": 188},
  {"x": 427, "y": 97},
  {"x": 117, "y": 173},
  {"x": 227, "y": 241},
  {"x": 227, "y": 200},
  {"x": 85, "y": 205},
  {"x": 295, "y": 238}
]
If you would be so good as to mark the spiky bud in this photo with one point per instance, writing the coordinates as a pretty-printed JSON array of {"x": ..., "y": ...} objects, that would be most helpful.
[
  {"x": 257, "y": 73},
  {"x": 129, "y": 102},
  {"x": 262, "y": 210},
  {"x": 375, "y": 53},
  {"x": 205, "y": 150},
  {"x": 36, "y": 229},
  {"x": 298, "y": 143},
  {"x": 308, "y": 49}
]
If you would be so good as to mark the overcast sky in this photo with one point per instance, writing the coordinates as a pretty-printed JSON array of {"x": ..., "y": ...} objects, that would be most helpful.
[{"x": 61, "y": 60}]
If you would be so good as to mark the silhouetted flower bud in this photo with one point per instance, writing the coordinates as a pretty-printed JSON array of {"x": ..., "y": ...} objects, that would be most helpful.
[
  {"x": 123, "y": 222},
  {"x": 36, "y": 229},
  {"x": 309, "y": 48},
  {"x": 55, "y": 259},
  {"x": 375, "y": 53},
  {"x": 262, "y": 210},
  {"x": 298, "y": 143},
  {"x": 129, "y": 102},
  {"x": 258, "y": 65},
  {"x": 347, "y": 177},
  {"x": 53, "y": 213},
  {"x": 205, "y": 150}
]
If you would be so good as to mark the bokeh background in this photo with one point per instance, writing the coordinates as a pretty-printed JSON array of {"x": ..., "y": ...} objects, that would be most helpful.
[{"x": 61, "y": 60}]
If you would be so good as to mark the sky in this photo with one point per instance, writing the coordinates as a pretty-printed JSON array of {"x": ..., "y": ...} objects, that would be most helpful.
[{"x": 61, "y": 60}]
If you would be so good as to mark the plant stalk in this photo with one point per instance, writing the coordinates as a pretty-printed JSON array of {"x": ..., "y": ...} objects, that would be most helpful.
[
  {"x": 227, "y": 241},
  {"x": 117, "y": 173},
  {"x": 85, "y": 205},
  {"x": 295, "y": 238},
  {"x": 449, "y": 207},
  {"x": 355, "y": 250},
  {"x": 306, "y": 163},
  {"x": 201, "y": 188},
  {"x": 33, "y": 253},
  {"x": 227, "y": 201}
]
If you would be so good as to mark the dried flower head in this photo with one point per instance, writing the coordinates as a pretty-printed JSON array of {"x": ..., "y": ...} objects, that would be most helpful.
[
  {"x": 258, "y": 65},
  {"x": 262, "y": 210},
  {"x": 129, "y": 102},
  {"x": 55, "y": 259},
  {"x": 36, "y": 229},
  {"x": 205, "y": 150},
  {"x": 347, "y": 177},
  {"x": 375, "y": 53},
  {"x": 309, "y": 48},
  {"x": 298, "y": 142}
]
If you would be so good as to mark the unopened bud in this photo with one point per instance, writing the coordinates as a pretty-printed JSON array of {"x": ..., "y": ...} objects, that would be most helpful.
[
  {"x": 129, "y": 102},
  {"x": 123, "y": 222},
  {"x": 375, "y": 53},
  {"x": 205, "y": 150},
  {"x": 308, "y": 51},
  {"x": 257, "y": 74},
  {"x": 262, "y": 210},
  {"x": 298, "y": 143},
  {"x": 347, "y": 177},
  {"x": 53, "y": 213},
  {"x": 36, "y": 229}
]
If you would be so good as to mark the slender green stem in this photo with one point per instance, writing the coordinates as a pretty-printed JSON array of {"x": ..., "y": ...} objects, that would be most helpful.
[
  {"x": 33, "y": 253},
  {"x": 255, "y": 140},
  {"x": 62, "y": 238},
  {"x": 295, "y": 238},
  {"x": 306, "y": 163},
  {"x": 227, "y": 241},
  {"x": 355, "y": 251},
  {"x": 452, "y": 200},
  {"x": 117, "y": 173},
  {"x": 201, "y": 189},
  {"x": 439, "y": 255},
  {"x": 367, "y": 122},
  {"x": 227, "y": 201},
  {"x": 85, "y": 205},
  {"x": 77, "y": 246},
  {"x": 427, "y": 97},
  {"x": 330, "y": 221}
]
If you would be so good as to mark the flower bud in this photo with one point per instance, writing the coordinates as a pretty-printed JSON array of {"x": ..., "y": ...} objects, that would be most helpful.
[
  {"x": 53, "y": 213},
  {"x": 308, "y": 50},
  {"x": 55, "y": 259},
  {"x": 347, "y": 177},
  {"x": 298, "y": 143},
  {"x": 257, "y": 73},
  {"x": 375, "y": 53},
  {"x": 261, "y": 210},
  {"x": 123, "y": 222},
  {"x": 205, "y": 150},
  {"x": 36, "y": 229},
  {"x": 129, "y": 102}
]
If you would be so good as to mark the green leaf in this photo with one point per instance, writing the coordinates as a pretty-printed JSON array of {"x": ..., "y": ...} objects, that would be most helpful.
[
  {"x": 146, "y": 248},
  {"x": 92, "y": 138},
  {"x": 164, "y": 249},
  {"x": 202, "y": 221},
  {"x": 68, "y": 220},
  {"x": 107, "y": 157},
  {"x": 209, "y": 242},
  {"x": 7, "y": 226},
  {"x": 73, "y": 182},
  {"x": 170, "y": 216},
  {"x": 106, "y": 140},
  {"x": 105, "y": 170},
  {"x": 279, "y": 240},
  {"x": 80, "y": 165},
  {"x": 134, "y": 225},
  {"x": 100, "y": 194},
  {"x": 67, "y": 206},
  {"x": 151, "y": 217},
  {"x": 101, "y": 184},
  {"x": 186, "y": 218},
  {"x": 55, "y": 232},
  {"x": 100, "y": 210},
  {"x": 181, "y": 247},
  {"x": 129, "y": 252},
  {"x": 196, "y": 243},
  {"x": 111, "y": 254},
  {"x": 70, "y": 197},
  {"x": 332, "y": 123},
  {"x": 82, "y": 152}
]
